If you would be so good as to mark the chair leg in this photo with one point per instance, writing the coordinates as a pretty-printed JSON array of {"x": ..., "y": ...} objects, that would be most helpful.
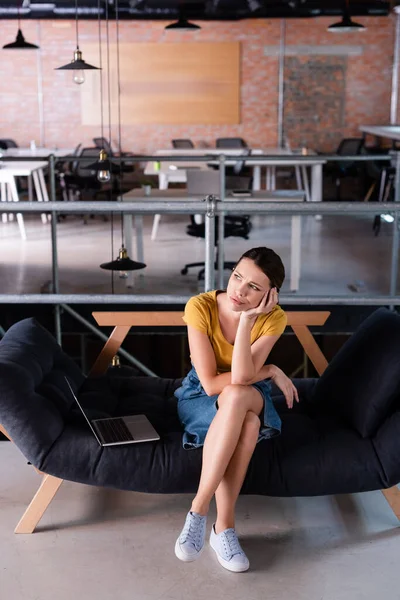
[
  {"x": 376, "y": 225},
  {"x": 156, "y": 222},
  {"x": 186, "y": 267},
  {"x": 39, "y": 504},
  {"x": 370, "y": 191},
  {"x": 338, "y": 185},
  {"x": 392, "y": 496}
]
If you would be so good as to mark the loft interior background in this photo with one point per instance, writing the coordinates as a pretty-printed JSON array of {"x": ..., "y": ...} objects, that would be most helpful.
[{"x": 351, "y": 72}]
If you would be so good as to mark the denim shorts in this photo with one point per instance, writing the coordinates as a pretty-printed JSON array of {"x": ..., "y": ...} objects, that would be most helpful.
[{"x": 196, "y": 410}]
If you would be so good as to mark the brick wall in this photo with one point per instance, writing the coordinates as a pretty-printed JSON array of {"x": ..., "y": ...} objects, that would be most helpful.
[{"x": 326, "y": 96}]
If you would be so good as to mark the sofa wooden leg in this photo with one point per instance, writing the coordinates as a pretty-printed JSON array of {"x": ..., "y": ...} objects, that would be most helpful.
[
  {"x": 392, "y": 495},
  {"x": 39, "y": 504}
]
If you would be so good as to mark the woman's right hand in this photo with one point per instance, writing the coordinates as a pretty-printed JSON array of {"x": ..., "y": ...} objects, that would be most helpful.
[{"x": 285, "y": 384}]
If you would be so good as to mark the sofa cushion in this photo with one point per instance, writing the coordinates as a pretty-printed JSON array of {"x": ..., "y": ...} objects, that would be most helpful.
[
  {"x": 34, "y": 399},
  {"x": 362, "y": 382}
]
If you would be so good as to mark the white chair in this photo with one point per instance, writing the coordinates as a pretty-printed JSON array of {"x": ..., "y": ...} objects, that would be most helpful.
[{"x": 9, "y": 193}]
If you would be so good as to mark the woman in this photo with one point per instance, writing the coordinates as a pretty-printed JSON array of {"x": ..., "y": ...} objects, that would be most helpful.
[{"x": 224, "y": 402}]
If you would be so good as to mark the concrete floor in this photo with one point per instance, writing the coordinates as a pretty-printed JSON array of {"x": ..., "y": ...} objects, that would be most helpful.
[
  {"x": 100, "y": 544},
  {"x": 336, "y": 252}
]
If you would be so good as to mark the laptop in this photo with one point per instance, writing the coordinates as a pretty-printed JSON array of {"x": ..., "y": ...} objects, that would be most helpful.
[
  {"x": 203, "y": 182},
  {"x": 114, "y": 431}
]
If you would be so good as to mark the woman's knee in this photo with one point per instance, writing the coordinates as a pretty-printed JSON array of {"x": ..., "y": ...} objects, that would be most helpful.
[
  {"x": 232, "y": 395},
  {"x": 240, "y": 397}
]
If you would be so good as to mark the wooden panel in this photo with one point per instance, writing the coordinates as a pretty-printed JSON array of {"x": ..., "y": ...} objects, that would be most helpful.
[
  {"x": 171, "y": 318},
  {"x": 187, "y": 83}
]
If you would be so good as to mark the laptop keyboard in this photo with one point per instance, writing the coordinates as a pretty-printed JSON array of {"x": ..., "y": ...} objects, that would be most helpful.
[{"x": 114, "y": 430}]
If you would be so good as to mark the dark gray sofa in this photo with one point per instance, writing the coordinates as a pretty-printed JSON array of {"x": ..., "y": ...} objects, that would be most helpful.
[{"x": 343, "y": 436}]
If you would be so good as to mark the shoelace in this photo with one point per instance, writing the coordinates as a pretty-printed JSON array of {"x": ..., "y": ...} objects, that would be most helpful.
[
  {"x": 192, "y": 531},
  {"x": 232, "y": 542}
]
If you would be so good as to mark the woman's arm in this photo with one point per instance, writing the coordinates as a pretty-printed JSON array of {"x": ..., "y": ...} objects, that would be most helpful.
[
  {"x": 247, "y": 359},
  {"x": 203, "y": 359}
]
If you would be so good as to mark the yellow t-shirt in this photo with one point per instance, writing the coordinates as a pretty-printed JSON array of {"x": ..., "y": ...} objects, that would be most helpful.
[{"x": 201, "y": 312}]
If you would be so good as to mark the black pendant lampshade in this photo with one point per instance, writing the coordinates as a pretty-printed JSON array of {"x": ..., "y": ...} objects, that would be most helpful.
[
  {"x": 77, "y": 63},
  {"x": 123, "y": 263},
  {"x": 104, "y": 164},
  {"x": 346, "y": 25},
  {"x": 20, "y": 43},
  {"x": 182, "y": 25}
]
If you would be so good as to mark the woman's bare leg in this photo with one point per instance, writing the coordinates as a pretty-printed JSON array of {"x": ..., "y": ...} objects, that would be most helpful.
[
  {"x": 222, "y": 439},
  {"x": 228, "y": 490}
]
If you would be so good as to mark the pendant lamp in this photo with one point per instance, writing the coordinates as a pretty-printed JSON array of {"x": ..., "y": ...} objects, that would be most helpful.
[
  {"x": 122, "y": 263},
  {"x": 182, "y": 24},
  {"x": 20, "y": 42},
  {"x": 346, "y": 25},
  {"x": 77, "y": 64}
]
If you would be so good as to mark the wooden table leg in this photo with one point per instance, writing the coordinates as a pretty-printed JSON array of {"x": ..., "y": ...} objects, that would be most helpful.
[{"x": 109, "y": 350}]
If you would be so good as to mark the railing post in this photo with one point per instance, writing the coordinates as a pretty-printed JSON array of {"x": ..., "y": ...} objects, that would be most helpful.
[
  {"x": 54, "y": 255},
  {"x": 209, "y": 276},
  {"x": 221, "y": 224},
  {"x": 395, "y": 240}
]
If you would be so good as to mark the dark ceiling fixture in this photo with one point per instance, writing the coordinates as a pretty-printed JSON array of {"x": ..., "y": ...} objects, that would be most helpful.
[
  {"x": 77, "y": 64},
  {"x": 20, "y": 42},
  {"x": 182, "y": 24},
  {"x": 346, "y": 25}
]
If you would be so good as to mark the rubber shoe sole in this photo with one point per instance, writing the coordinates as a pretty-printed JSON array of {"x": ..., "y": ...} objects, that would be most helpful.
[
  {"x": 182, "y": 556},
  {"x": 227, "y": 564}
]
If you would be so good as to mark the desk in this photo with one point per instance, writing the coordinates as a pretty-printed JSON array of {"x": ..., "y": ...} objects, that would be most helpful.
[
  {"x": 176, "y": 195},
  {"x": 169, "y": 172},
  {"x": 33, "y": 170},
  {"x": 391, "y": 132},
  {"x": 38, "y": 153}
]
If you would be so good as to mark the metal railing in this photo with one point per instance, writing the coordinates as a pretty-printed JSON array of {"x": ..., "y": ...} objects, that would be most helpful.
[{"x": 211, "y": 207}]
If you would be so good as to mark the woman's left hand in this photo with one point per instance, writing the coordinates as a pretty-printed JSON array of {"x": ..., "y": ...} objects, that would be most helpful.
[
  {"x": 285, "y": 384},
  {"x": 268, "y": 302}
]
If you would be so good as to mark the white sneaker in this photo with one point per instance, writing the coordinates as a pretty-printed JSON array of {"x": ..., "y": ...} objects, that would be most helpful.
[
  {"x": 190, "y": 543},
  {"x": 228, "y": 550}
]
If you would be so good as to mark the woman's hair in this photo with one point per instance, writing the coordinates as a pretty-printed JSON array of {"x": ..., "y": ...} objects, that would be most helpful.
[{"x": 269, "y": 262}]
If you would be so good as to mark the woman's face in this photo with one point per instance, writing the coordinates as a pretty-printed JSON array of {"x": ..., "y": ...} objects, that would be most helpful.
[{"x": 247, "y": 285}]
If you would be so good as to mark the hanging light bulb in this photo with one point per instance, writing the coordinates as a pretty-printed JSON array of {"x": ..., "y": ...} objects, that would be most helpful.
[
  {"x": 103, "y": 173},
  {"x": 79, "y": 76}
]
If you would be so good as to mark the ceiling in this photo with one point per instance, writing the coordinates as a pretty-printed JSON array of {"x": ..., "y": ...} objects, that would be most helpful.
[{"x": 220, "y": 10}]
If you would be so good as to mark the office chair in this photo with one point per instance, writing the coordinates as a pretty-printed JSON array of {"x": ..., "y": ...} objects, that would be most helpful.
[
  {"x": 82, "y": 180},
  {"x": 238, "y": 176},
  {"x": 341, "y": 170},
  {"x": 7, "y": 143},
  {"x": 235, "y": 226},
  {"x": 230, "y": 142},
  {"x": 182, "y": 143},
  {"x": 64, "y": 171}
]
